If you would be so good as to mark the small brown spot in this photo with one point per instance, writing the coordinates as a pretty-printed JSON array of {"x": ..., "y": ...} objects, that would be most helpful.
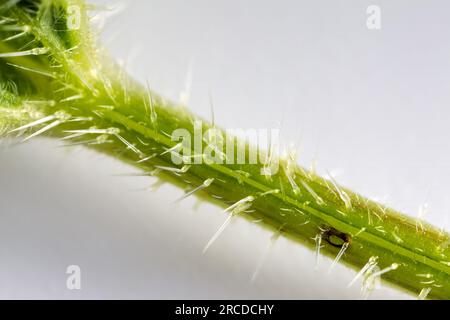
[{"x": 335, "y": 237}]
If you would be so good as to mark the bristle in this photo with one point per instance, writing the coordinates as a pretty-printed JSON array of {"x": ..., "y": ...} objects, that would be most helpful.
[
  {"x": 130, "y": 146},
  {"x": 183, "y": 169},
  {"x": 233, "y": 210},
  {"x": 424, "y": 293},
  {"x": 31, "y": 52},
  {"x": 318, "y": 241},
  {"x": 41, "y": 72},
  {"x": 204, "y": 185},
  {"x": 34, "y": 123},
  {"x": 264, "y": 256},
  {"x": 23, "y": 32},
  {"x": 342, "y": 194},
  {"x": 43, "y": 130},
  {"x": 373, "y": 277},
  {"x": 339, "y": 256},
  {"x": 316, "y": 197},
  {"x": 367, "y": 267},
  {"x": 151, "y": 108}
]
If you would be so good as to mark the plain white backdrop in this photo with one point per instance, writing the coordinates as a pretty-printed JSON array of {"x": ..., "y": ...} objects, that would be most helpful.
[{"x": 371, "y": 106}]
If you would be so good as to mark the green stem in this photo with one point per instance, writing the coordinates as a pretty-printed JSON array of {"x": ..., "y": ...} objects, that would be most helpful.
[{"x": 94, "y": 103}]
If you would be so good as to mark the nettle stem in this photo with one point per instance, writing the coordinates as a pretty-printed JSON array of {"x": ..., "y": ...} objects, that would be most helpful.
[{"x": 55, "y": 81}]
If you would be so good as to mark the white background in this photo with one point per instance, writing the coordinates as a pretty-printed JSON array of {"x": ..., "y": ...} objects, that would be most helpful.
[{"x": 370, "y": 106}]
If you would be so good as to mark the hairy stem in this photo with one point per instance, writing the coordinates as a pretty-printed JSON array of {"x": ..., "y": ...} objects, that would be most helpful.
[{"x": 55, "y": 81}]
